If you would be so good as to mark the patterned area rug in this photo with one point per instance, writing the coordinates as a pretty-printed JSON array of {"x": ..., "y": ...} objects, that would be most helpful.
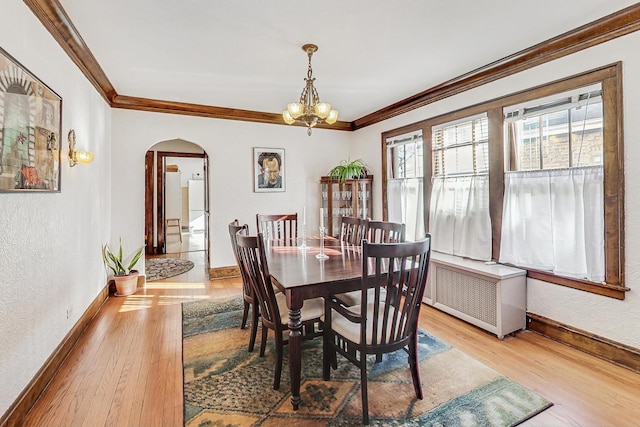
[
  {"x": 161, "y": 268},
  {"x": 224, "y": 385}
]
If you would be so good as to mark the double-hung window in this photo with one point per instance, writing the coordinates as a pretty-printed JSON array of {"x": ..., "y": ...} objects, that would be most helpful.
[
  {"x": 459, "y": 220},
  {"x": 553, "y": 217},
  {"x": 405, "y": 180}
]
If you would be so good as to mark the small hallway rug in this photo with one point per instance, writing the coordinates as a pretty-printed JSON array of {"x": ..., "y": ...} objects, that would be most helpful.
[
  {"x": 161, "y": 268},
  {"x": 224, "y": 385}
]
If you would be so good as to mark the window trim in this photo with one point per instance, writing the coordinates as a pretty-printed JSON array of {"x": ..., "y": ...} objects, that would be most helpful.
[{"x": 610, "y": 77}]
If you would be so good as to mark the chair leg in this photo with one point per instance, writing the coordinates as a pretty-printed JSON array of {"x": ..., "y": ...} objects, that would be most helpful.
[
  {"x": 263, "y": 342},
  {"x": 254, "y": 326},
  {"x": 245, "y": 314},
  {"x": 279, "y": 355},
  {"x": 334, "y": 360},
  {"x": 363, "y": 386},
  {"x": 413, "y": 365},
  {"x": 327, "y": 355}
]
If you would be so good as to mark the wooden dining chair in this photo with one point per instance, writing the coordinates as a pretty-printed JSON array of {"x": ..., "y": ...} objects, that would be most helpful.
[
  {"x": 273, "y": 306},
  {"x": 353, "y": 230},
  {"x": 385, "y": 232},
  {"x": 282, "y": 227},
  {"x": 247, "y": 291},
  {"x": 384, "y": 322}
]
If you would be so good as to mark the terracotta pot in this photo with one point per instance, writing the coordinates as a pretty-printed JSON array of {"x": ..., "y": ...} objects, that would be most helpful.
[{"x": 126, "y": 285}]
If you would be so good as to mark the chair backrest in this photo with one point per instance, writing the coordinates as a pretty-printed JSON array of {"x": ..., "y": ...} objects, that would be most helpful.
[
  {"x": 385, "y": 232},
  {"x": 234, "y": 228},
  {"x": 397, "y": 272},
  {"x": 281, "y": 227},
  {"x": 254, "y": 262},
  {"x": 353, "y": 230}
]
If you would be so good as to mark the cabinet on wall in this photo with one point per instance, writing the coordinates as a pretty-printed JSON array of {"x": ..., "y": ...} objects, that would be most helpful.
[{"x": 344, "y": 198}]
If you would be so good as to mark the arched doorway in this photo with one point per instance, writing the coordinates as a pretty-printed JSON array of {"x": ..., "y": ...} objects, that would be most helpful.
[{"x": 176, "y": 188}]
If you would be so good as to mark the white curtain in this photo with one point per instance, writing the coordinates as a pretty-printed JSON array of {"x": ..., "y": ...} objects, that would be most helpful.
[
  {"x": 554, "y": 221},
  {"x": 459, "y": 220},
  {"x": 405, "y": 205}
]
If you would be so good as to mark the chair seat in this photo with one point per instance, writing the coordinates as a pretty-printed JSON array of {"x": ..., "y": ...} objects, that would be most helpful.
[
  {"x": 311, "y": 308},
  {"x": 353, "y": 298},
  {"x": 351, "y": 331}
]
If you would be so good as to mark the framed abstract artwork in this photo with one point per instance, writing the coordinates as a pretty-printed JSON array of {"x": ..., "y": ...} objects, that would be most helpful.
[
  {"x": 30, "y": 128},
  {"x": 268, "y": 170}
]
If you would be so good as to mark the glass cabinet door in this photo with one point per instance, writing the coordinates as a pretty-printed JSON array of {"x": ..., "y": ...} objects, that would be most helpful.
[{"x": 344, "y": 198}]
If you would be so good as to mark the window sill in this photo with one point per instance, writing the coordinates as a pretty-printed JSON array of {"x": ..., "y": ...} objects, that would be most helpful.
[{"x": 611, "y": 291}]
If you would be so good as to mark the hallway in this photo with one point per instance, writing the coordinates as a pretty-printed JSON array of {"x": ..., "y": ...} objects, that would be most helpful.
[{"x": 192, "y": 241}]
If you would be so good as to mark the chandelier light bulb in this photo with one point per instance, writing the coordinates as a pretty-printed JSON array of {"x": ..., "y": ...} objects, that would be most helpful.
[
  {"x": 295, "y": 109},
  {"x": 287, "y": 117},
  {"x": 322, "y": 109},
  {"x": 332, "y": 118}
]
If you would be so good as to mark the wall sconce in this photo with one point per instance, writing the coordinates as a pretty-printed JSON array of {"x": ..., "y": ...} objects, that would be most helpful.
[{"x": 77, "y": 156}]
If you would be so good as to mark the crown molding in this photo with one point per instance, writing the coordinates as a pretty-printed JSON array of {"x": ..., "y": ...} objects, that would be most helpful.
[
  {"x": 56, "y": 21},
  {"x": 171, "y": 107},
  {"x": 617, "y": 24}
]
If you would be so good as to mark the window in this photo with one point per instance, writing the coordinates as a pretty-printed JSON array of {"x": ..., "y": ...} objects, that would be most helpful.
[
  {"x": 461, "y": 147},
  {"x": 459, "y": 220},
  {"x": 405, "y": 183},
  {"x": 553, "y": 151},
  {"x": 564, "y": 132},
  {"x": 553, "y": 216}
]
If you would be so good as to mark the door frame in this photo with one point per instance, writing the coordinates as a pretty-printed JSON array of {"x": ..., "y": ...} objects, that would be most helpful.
[{"x": 150, "y": 208}]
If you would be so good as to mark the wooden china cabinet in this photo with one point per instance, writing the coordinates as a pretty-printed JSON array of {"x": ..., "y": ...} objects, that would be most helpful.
[{"x": 344, "y": 198}]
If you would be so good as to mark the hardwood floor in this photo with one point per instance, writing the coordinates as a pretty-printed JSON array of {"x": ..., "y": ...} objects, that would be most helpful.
[{"x": 127, "y": 368}]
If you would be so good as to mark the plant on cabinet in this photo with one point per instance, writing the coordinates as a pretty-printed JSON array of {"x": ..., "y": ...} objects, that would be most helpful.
[
  {"x": 355, "y": 169},
  {"x": 125, "y": 278}
]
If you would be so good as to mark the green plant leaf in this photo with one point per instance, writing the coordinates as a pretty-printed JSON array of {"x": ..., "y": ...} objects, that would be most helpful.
[
  {"x": 349, "y": 170},
  {"x": 135, "y": 259},
  {"x": 116, "y": 262}
]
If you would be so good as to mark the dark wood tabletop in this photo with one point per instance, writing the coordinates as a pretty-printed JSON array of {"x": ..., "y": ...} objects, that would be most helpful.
[{"x": 291, "y": 267}]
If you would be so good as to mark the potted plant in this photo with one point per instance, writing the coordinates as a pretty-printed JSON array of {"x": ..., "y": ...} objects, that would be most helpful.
[
  {"x": 355, "y": 169},
  {"x": 125, "y": 278}
]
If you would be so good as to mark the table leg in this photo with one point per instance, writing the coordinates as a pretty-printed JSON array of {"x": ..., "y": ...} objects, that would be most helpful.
[{"x": 295, "y": 350}]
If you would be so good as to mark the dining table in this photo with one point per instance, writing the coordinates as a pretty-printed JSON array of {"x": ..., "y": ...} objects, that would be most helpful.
[{"x": 297, "y": 271}]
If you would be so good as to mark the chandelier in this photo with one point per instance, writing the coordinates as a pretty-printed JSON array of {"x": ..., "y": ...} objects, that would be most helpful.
[{"x": 309, "y": 110}]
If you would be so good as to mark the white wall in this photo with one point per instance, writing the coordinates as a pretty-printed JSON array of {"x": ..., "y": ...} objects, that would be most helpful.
[
  {"x": 607, "y": 317},
  {"x": 229, "y": 146},
  {"x": 50, "y": 260}
]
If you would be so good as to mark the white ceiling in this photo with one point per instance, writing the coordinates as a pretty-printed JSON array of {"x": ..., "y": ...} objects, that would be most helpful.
[{"x": 247, "y": 54}]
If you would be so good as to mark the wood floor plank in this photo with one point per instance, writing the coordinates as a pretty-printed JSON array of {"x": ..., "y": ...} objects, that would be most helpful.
[{"x": 127, "y": 367}]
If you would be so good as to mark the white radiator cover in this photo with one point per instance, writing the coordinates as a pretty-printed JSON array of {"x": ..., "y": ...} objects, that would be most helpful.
[{"x": 490, "y": 296}]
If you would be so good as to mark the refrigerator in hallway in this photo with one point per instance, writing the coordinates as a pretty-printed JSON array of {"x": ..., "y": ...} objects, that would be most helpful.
[{"x": 196, "y": 206}]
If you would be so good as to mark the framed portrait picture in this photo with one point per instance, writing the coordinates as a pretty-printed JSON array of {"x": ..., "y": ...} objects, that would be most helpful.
[
  {"x": 30, "y": 127},
  {"x": 268, "y": 170}
]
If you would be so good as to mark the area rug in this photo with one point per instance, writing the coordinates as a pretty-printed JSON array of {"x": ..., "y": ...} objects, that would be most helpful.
[
  {"x": 161, "y": 268},
  {"x": 224, "y": 385}
]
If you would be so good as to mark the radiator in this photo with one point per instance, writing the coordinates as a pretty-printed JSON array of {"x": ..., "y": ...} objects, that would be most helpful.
[{"x": 492, "y": 297}]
